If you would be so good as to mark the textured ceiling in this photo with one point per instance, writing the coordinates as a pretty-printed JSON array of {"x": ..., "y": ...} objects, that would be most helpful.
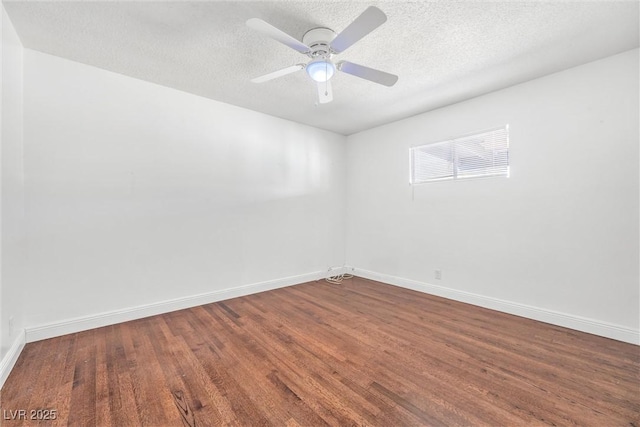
[{"x": 443, "y": 51}]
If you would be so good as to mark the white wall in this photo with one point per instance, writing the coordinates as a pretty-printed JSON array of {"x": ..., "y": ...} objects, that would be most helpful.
[
  {"x": 559, "y": 235},
  {"x": 138, "y": 193},
  {"x": 12, "y": 189}
]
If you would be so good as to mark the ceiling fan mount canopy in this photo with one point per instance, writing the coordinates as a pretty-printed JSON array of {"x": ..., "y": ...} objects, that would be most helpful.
[{"x": 321, "y": 44}]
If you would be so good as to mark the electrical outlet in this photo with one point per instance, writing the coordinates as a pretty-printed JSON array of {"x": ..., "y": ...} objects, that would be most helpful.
[
  {"x": 438, "y": 274},
  {"x": 11, "y": 326}
]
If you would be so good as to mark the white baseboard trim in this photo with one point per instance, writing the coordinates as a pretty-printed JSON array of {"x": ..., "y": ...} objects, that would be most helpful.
[
  {"x": 570, "y": 321},
  {"x": 78, "y": 324},
  {"x": 10, "y": 359}
]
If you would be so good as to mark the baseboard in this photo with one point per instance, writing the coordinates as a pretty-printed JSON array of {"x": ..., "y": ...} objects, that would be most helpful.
[
  {"x": 78, "y": 324},
  {"x": 84, "y": 323},
  {"x": 10, "y": 359},
  {"x": 570, "y": 321}
]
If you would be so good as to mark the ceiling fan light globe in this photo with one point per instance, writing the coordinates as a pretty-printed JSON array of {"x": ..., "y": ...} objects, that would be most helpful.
[{"x": 321, "y": 70}]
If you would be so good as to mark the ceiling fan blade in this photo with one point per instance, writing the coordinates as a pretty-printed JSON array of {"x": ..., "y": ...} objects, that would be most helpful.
[
  {"x": 368, "y": 21},
  {"x": 367, "y": 73},
  {"x": 276, "y": 34},
  {"x": 279, "y": 73},
  {"x": 325, "y": 93}
]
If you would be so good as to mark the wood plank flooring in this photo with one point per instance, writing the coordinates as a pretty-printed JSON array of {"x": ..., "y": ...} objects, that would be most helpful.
[{"x": 359, "y": 353}]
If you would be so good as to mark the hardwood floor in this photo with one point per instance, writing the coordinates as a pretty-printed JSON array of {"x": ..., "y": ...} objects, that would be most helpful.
[{"x": 360, "y": 353}]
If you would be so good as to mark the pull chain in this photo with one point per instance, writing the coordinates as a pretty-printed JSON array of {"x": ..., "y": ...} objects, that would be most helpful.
[{"x": 326, "y": 82}]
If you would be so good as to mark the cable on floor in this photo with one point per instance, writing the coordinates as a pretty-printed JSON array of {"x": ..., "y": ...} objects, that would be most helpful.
[{"x": 336, "y": 280}]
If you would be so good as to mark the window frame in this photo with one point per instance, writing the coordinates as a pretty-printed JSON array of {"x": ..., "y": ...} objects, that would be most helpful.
[{"x": 454, "y": 163}]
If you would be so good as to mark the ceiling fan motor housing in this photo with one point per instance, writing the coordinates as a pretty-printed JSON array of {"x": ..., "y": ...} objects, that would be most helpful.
[{"x": 319, "y": 39}]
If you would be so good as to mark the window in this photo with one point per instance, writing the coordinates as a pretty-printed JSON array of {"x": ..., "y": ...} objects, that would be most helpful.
[{"x": 472, "y": 156}]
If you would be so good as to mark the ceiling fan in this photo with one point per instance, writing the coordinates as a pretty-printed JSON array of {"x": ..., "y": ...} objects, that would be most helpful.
[{"x": 321, "y": 44}]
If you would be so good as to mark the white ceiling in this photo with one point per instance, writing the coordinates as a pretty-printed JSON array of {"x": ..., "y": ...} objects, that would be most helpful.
[{"x": 443, "y": 51}]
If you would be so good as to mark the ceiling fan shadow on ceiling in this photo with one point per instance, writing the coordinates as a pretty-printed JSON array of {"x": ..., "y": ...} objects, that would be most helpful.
[{"x": 321, "y": 45}]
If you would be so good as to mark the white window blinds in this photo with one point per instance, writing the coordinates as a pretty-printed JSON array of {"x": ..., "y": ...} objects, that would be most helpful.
[{"x": 472, "y": 156}]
